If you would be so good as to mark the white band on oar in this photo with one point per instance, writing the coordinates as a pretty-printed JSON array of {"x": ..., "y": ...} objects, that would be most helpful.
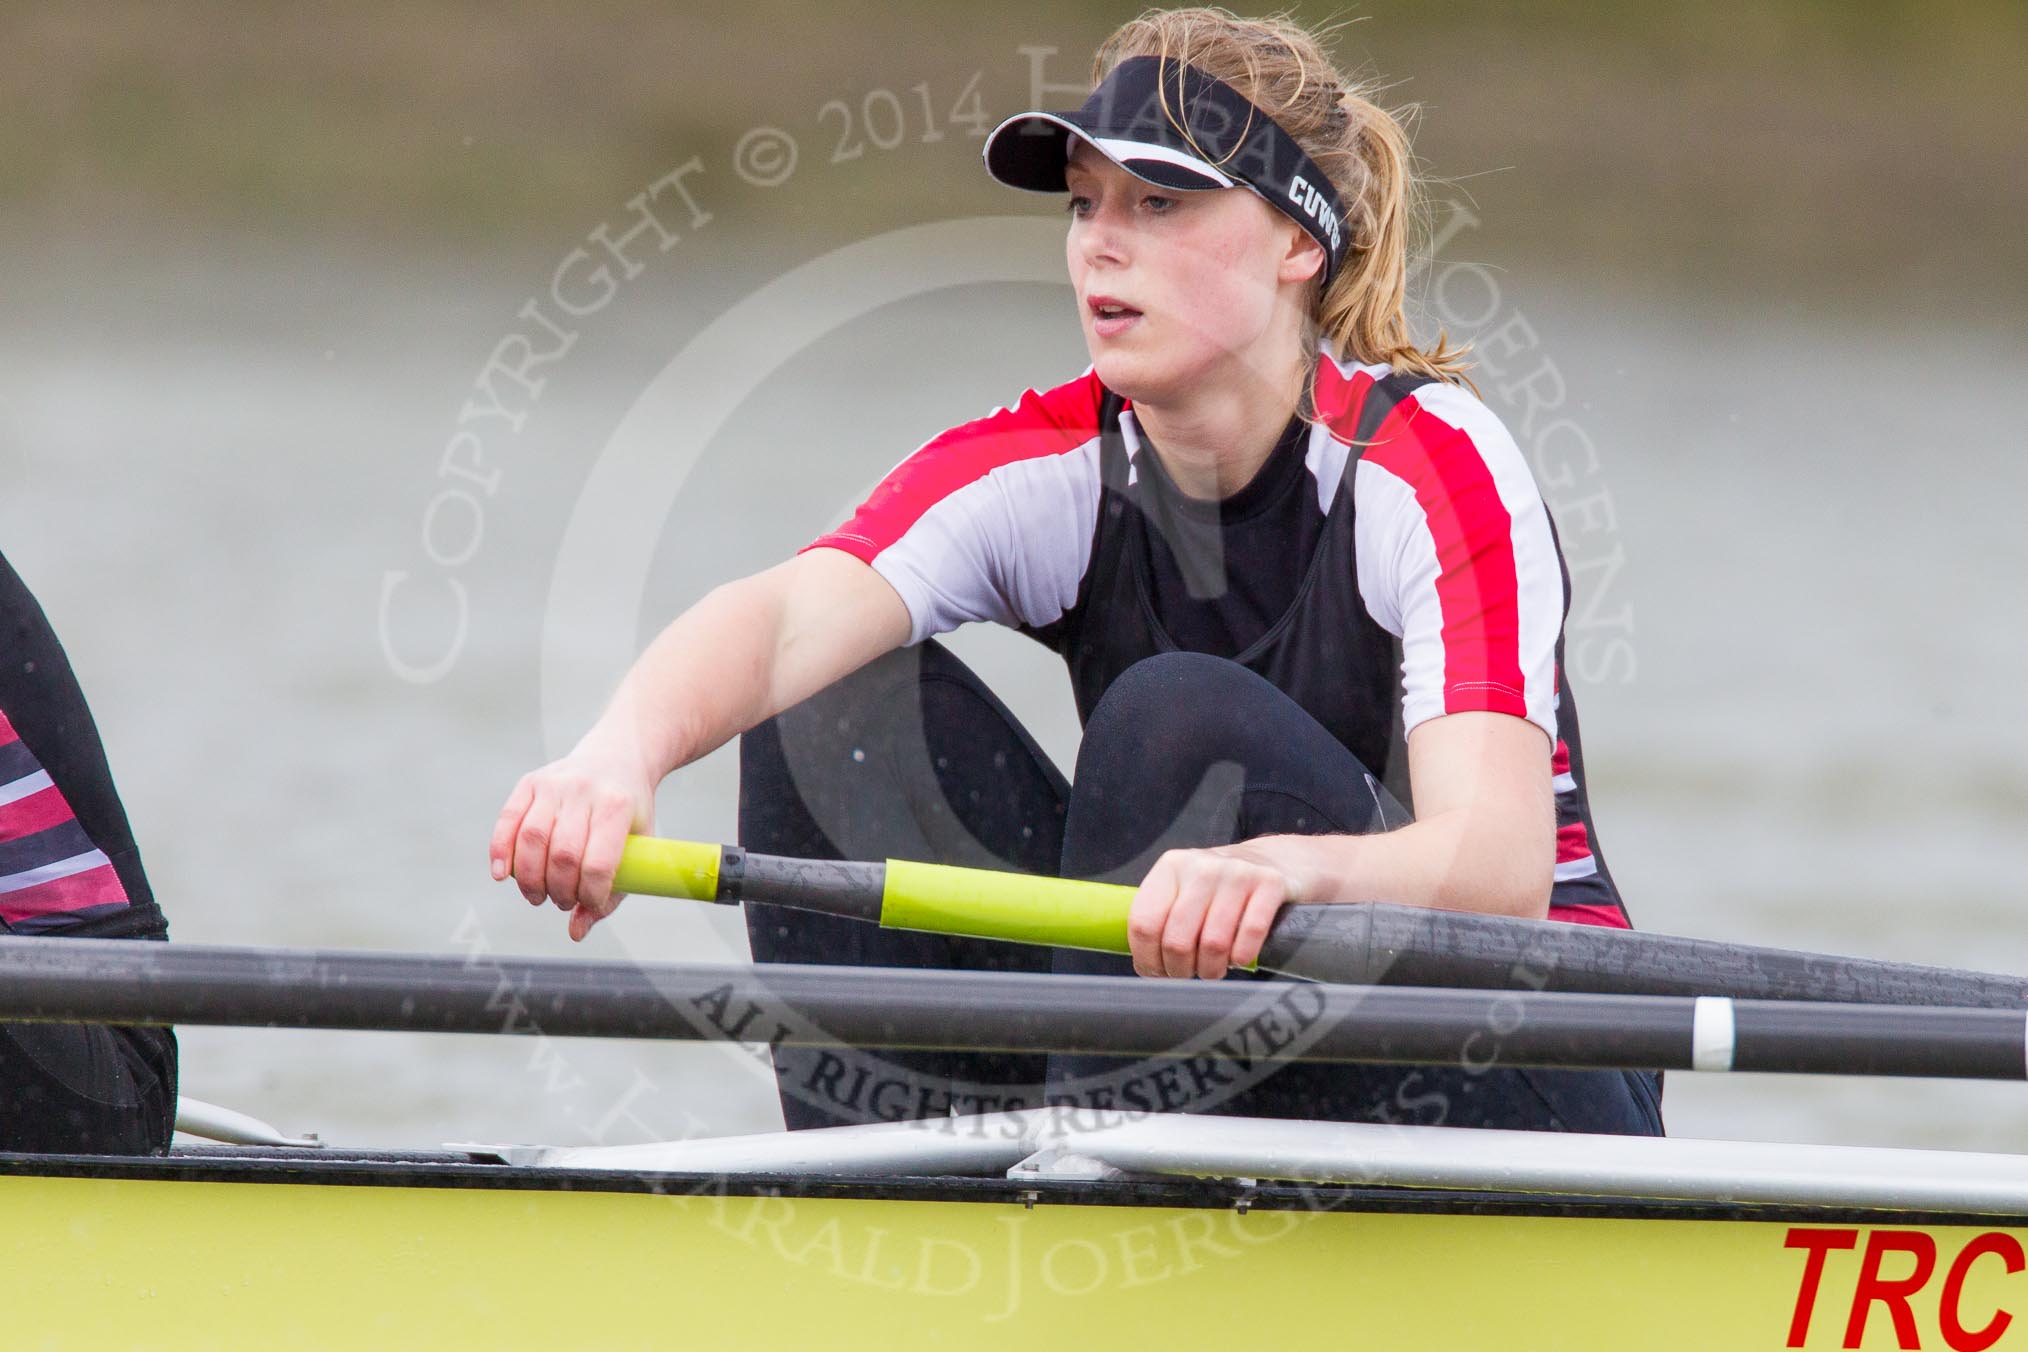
[{"x": 1711, "y": 1033}]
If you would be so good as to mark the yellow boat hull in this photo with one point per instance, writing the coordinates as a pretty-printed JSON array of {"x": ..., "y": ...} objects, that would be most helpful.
[{"x": 164, "y": 1261}]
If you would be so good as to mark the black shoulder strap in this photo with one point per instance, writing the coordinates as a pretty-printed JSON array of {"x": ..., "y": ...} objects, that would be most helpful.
[
  {"x": 1112, "y": 442},
  {"x": 1108, "y": 540},
  {"x": 1381, "y": 400},
  {"x": 1064, "y": 634}
]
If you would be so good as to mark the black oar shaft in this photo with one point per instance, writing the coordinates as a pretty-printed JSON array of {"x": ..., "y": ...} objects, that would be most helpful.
[
  {"x": 834, "y": 887},
  {"x": 1231, "y": 1023},
  {"x": 1409, "y": 946},
  {"x": 1361, "y": 943}
]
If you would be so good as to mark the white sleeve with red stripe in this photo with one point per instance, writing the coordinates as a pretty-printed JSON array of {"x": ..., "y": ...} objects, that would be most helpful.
[
  {"x": 1455, "y": 558},
  {"x": 991, "y": 520}
]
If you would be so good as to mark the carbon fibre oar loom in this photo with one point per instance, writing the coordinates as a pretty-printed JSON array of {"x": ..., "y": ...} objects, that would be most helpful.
[{"x": 1361, "y": 944}]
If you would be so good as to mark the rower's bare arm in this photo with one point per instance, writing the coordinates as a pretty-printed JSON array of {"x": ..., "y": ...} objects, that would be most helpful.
[
  {"x": 1485, "y": 841},
  {"x": 745, "y": 652},
  {"x": 749, "y": 650},
  {"x": 1484, "y": 838}
]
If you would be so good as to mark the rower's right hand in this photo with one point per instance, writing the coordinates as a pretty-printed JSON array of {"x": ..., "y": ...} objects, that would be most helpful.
[{"x": 560, "y": 834}]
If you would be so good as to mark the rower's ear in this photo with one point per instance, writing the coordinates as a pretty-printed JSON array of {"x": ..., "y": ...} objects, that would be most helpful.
[{"x": 1302, "y": 257}]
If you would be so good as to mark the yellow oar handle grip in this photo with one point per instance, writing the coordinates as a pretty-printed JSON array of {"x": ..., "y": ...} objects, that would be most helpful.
[
  {"x": 668, "y": 868},
  {"x": 1013, "y": 906}
]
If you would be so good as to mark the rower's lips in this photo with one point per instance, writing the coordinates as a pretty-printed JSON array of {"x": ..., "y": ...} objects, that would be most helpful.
[{"x": 1109, "y": 326}]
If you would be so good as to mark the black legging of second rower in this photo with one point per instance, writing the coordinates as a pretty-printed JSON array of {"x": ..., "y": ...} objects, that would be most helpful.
[
  {"x": 913, "y": 757},
  {"x": 66, "y": 1087}
]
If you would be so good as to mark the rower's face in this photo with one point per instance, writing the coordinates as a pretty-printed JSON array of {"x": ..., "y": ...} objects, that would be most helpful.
[{"x": 1208, "y": 273}]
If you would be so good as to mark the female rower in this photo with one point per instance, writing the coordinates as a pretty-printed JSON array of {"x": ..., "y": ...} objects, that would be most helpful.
[{"x": 1289, "y": 558}]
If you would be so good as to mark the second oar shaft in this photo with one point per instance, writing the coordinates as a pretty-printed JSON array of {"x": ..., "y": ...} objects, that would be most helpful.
[{"x": 1217, "y": 1030}]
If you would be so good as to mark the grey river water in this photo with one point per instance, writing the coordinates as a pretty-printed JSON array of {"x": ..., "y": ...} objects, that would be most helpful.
[{"x": 1798, "y": 650}]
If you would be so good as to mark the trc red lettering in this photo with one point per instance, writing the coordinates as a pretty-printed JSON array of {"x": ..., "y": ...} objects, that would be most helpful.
[
  {"x": 1872, "y": 1287},
  {"x": 1819, "y": 1243},
  {"x": 1961, "y": 1339}
]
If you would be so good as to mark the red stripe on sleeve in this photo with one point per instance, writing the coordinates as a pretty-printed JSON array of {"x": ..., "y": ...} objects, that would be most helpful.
[
  {"x": 99, "y": 886},
  {"x": 1474, "y": 537},
  {"x": 8, "y": 736},
  {"x": 1572, "y": 842},
  {"x": 1338, "y": 400},
  {"x": 1608, "y": 916},
  {"x": 1559, "y": 760},
  {"x": 1049, "y": 423},
  {"x": 37, "y": 812}
]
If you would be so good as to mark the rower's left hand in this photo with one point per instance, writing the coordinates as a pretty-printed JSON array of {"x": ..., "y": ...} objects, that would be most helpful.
[{"x": 1201, "y": 912}]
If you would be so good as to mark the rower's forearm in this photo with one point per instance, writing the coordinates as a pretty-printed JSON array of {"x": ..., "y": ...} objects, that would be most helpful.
[
  {"x": 1454, "y": 861},
  {"x": 703, "y": 680}
]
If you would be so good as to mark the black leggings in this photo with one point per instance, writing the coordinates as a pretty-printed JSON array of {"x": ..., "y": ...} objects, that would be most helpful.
[
  {"x": 86, "y": 1088},
  {"x": 914, "y": 758},
  {"x": 97, "y": 1088}
]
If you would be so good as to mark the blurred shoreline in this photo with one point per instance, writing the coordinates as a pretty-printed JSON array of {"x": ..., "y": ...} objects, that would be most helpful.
[{"x": 1869, "y": 151}]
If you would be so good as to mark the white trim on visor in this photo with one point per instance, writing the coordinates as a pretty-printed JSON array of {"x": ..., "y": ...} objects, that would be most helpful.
[{"x": 1119, "y": 151}]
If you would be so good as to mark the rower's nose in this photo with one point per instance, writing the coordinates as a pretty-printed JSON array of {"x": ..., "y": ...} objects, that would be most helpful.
[{"x": 1103, "y": 237}]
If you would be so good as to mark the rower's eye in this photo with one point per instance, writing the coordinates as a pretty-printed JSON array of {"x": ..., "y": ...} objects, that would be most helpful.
[{"x": 1156, "y": 204}]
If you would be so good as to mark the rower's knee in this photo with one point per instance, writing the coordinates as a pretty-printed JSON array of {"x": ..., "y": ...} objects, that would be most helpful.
[
  {"x": 1174, "y": 712},
  {"x": 849, "y": 772}
]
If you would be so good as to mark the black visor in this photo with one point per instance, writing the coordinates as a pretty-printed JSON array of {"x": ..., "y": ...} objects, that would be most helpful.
[{"x": 1229, "y": 143}]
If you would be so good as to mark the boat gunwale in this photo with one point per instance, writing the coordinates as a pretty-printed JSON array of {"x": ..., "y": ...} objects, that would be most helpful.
[{"x": 452, "y": 1169}]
